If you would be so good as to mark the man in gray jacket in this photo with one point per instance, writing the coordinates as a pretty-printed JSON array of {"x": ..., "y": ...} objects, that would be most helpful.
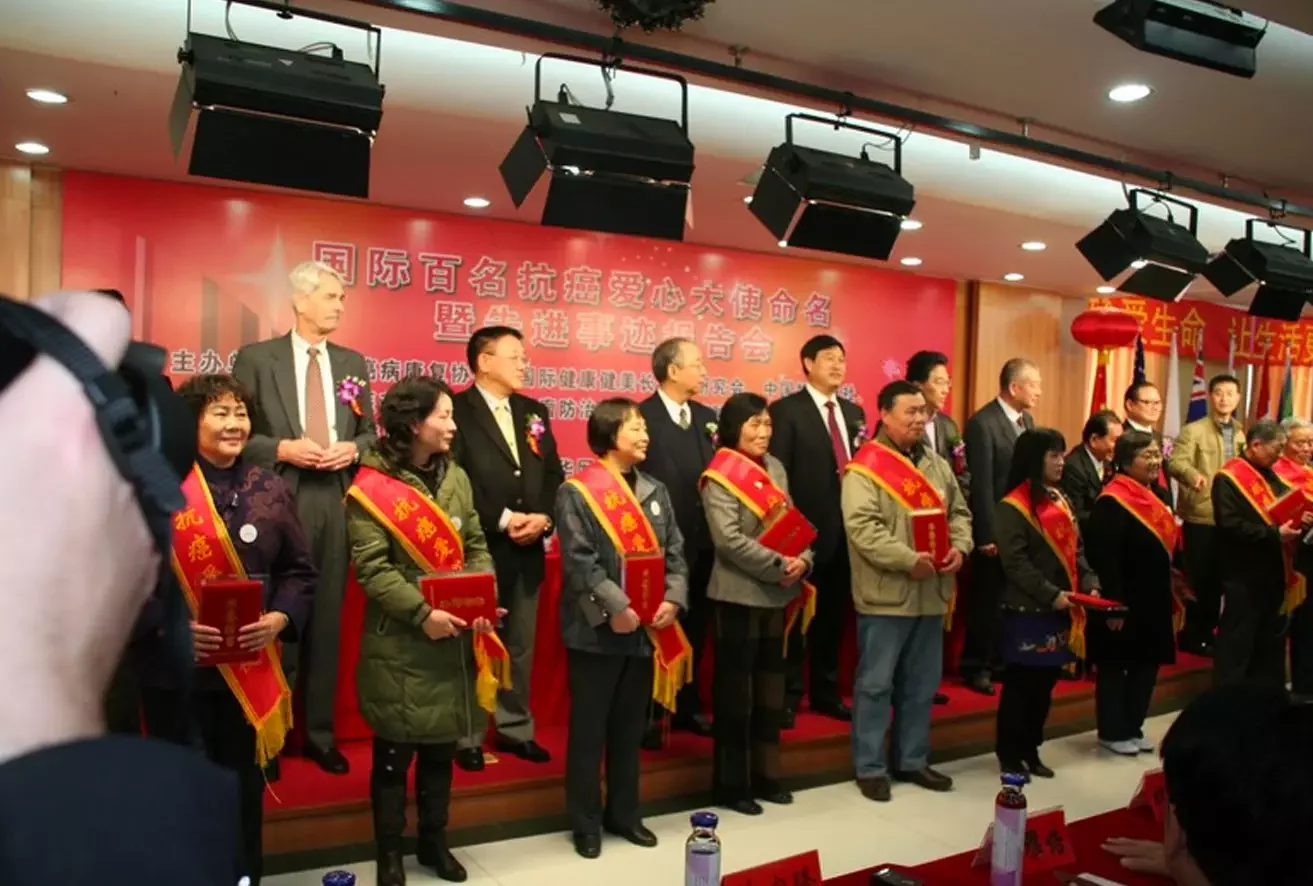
[{"x": 901, "y": 593}]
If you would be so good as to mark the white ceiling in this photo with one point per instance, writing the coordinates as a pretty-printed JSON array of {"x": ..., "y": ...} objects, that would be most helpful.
[{"x": 456, "y": 102}]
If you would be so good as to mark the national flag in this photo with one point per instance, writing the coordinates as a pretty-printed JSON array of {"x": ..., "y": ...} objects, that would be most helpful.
[
  {"x": 1286, "y": 406},
  {"x": 1230, "y": 355},
  {"x": 1139, "y": 360},
  {"x": 1198, "y": 385},
  {"x": 1262, "y": 405},
  {"x": 1172, "y": 403}
]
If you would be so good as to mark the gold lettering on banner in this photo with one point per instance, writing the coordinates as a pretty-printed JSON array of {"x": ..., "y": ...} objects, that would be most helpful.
[
  {"x": 1137, "y": 308},
  {"x": 425, "y": 529},
  {"x": 1162, "y": 324},
  {"x": 198, "y": 549},
  {"x": 628, "y": 523},
  {"x": 1098, "y": 304},
  {"x": 1289, "y": 335},
  {"x": 186, "y": 519},
  {"x": 1243, "y": 332},
  {"x": 1263, "y": 339},
  {"x": 402, "y": 508},
  {"x": 1192, "y": 328},
  {"x": 1308, "y": 345}
]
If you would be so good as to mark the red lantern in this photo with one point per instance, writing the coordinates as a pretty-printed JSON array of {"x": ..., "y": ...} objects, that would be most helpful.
[{"x": 1104, "y": 329}]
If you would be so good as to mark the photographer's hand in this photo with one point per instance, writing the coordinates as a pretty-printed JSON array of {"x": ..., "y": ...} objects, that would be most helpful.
[{"x": 72, "y": 539}]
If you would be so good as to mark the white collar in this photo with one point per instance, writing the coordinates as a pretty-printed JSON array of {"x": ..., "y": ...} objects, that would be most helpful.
[
  {"x": 675, "y": 408},
  {"x": 1012, "y": 414},
  {"x": 492, "y": 400},
  {"x": 1143, "y": 429},
  {"x": 820, "y": 399},
  {"x": 1094, "y": 458},
  {"x": 301, "y": 346}
]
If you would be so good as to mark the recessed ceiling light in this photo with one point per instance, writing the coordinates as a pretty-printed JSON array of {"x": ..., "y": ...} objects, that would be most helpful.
[
  {"x": 1138, "y": 263},
  {"x": 47, "y": 96},
  {"x": 910, "y": 224},
  {"x": 783, "y": 244},
  {"x": 747, "y": 199},
  {"x": 1034, "y": 246},
  {"x": 911, "y": 261},
  {"x": 478, "y": 202},
  {"x": 32, "y": 148},
  {"x": 1129, "y": 92},
  {"x": 1106, "y": 290},
  {"x": 1014, "y": 277}
]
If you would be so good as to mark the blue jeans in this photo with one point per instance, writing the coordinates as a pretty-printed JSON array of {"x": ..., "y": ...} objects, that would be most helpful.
[{"x": 898, "y": 670}]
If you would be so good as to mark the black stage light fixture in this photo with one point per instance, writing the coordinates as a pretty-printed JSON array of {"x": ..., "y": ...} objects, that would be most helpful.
[
  {"x": 279, "y": 117},
  {"x": 1282, "y": 271},
  {"x": 612, "y": 172},
  {"x": 832, "y": 202},
  {"x": 1172, "y": 254},
  {"x": 1198, "y": 32}
]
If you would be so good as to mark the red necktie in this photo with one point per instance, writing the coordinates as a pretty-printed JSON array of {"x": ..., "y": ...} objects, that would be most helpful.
[{"x": 836, "y": 438}]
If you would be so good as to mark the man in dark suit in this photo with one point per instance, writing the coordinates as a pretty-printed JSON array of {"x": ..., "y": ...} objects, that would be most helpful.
[
  {"x": 991, "y": 434},
  {"x": 504, "y": 442},
  {"x": 816, "y": 433},
  {"x": 1143, "y": 407},
  {"x": 680, "y": 433},
  {"x": 313, "y": 417},
  {"x": 1089, "y": 465}
]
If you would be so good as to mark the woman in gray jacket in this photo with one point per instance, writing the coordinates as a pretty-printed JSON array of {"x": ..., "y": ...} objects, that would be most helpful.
[{"x": 750, "y": 586}]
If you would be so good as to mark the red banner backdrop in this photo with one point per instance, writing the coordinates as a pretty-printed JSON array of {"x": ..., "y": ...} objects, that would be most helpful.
[
  {"x": 1214, "y": 326},
  {"x": 204, "y": 270}
]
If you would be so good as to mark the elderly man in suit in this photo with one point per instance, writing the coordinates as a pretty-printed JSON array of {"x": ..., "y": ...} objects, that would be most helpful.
[
  {"x": 313, "y": 417},
  {"x": 816, "y": 432},
  {"x": 991, "y": 435},
  {"x": 1089, "y": 465},
  {"x": 504, "y": 441},
  {"x": 681, "y": 435}
]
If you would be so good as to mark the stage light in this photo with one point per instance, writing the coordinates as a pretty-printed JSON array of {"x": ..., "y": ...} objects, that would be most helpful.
[
  {"x": 34, "y": 148},
  {"x": 783, "y": 244},
  {"x": 1014, "y": 277},
  {"x": 1171, "y": 253},
  {"x": 613, "y": 172},
  {"x": 279, "y": 117},
  {"x": 1282, "y": 271},
  {"x": 833, "y": 202},
  {"x": 910, "y": 224},
  {"x": 1129, "y": 92},
  {"x": 1034, "y": 246},
  {"x": 747, "y": 199},
  {"x": 47, "y": 97},
  {"x": 1106, "y": 290},
  {"x": 477, "y": 202},
  {"x": 1207, "y": 34},
  {"x": 911, "y": 261}
]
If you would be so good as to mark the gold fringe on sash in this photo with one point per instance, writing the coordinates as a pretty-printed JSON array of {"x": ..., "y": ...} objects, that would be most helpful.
[
  {"x": 1076, "y": 639},
  {"x": 671, "y": 670},
  {"x": 493, "y": 665},
  {"x": 803, "y": 606},
  {"x": 271, "y": 734}
]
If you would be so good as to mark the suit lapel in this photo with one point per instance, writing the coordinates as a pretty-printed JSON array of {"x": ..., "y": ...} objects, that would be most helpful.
[
  {"x": 486, "y": 420},
  {"x": 700, "y": 428},
  {"x": 520, "y": 428},
  {"x": 342, "y": 416},
  {"x": 284, "y": 371},
  {"x": 812, "y": 419}
]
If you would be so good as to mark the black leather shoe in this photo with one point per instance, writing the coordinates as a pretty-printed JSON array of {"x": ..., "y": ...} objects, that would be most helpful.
[
  {"x": 788, "y": 719},
  {"x": 940, "y": 698},
  {"x": 926, "y": 778},
  {"x": 697, "y": 724},
  {"x": 835, "y": 710},
  {"x": 588, "y": 845},
  {"x": 876, "y": 788},
  {"x": 777, "y": 795},
  {"x": 443, "y": 863},
  {"x": 330, "y": 760},
  {"x": 980, "y": 683},
  {"x": 470, "y": 759},
  {"x": 743, "y": 807},
  {"x": 636, "y": 834},
  {"x": 654, "y": 738},
  {"x": 526, "y": 750},
  {"x": 1038, "y": 769},
  {"x": 391, "y": 868}
]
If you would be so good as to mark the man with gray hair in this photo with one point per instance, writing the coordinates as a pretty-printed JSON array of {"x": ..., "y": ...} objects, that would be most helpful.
[
  {"x": 1294, "y": 467},
  {"x": 682, "y": 435},
  {"x": 1250, "y": 644},
  {"x": 313, "y": 417}
]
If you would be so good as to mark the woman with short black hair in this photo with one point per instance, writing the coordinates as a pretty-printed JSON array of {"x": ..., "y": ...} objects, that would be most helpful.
[
  {"x": 612, "y": 519},
  {"x": 744, "y": 491},
  {"x": 1040, "y": 550}
]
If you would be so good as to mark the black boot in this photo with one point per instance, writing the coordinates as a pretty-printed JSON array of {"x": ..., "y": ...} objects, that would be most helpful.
[
  {"x": 432, "y": 800},
  {"x": 387, "y": 797}
]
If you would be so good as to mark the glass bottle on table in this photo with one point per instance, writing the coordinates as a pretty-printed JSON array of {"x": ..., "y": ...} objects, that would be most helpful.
[
  {"x": 702, "y": 851},
  {"x": 1008, "y": 852}
]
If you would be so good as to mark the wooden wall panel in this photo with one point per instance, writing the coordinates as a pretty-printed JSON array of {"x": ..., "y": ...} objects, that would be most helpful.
[
  {"x": 31, "y": 218},
  {"x": 1012, "y": 321},
  {"x": 963, "y": 360}
]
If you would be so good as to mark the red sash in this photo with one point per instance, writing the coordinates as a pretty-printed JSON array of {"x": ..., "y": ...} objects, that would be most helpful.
[
  {"x": 1256, "y": 490},
  {"x": 433, "y": 542},
  {"x": 751, "y": 484},
  {"x": 613, "y": 503},
  {"x": 1295, "y": 474},
  {"x": 1140, "y": 502},
  {"x": 1056, "y": 525},
  {"x": 895, "y": 474},
  {"x": 203, "y": 551}
]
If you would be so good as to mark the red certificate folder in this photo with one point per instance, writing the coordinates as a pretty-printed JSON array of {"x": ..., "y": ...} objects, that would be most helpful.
[
  {"x": 1089, "y": 602},
  {"x": 788, "y": 533},
  {"x": 1290, "y": 508},
  {"x": 230, "y": 605},
  {"x": 643, "y": 579},
  {"x": 930, "y": 534},
  {"x": 466, "y": 595}
]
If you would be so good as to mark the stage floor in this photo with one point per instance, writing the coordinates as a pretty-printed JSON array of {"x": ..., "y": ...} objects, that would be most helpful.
[{"x": 314, "y": 819}]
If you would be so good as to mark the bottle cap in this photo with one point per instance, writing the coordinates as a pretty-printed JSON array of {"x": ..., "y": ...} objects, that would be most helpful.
[
  {"x": 1014, "y": 779},
  {"x": 705, "y": 819},
  {"x": 339, "y": 878}
]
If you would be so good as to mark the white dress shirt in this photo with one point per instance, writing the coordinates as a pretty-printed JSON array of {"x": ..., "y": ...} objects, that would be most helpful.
[
  {"x": 1134, "y": 427},
  {"x": 675, "y": 408},
  {"x": 1098, "y": 465},
  {"x": 494, "y": 403},
  {"x": 820, "y": 400},
  {"x": 301, "y": 360},
  {"x": 930, "y": 432},
  {"x": 1013, "y": 416}
]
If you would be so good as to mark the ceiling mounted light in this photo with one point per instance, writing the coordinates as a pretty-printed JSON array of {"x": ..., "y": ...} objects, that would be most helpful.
[
  {"x": 1129, "y": 92},
  {"x": 1106, "y": 290},
  {"x": 608, "y": 171},
  {"x": 1283, "y": 272},
  {"x": 911, "y": 261},
  {"x": 783, "y": 244},
  {"x": 1171, "y": 253},
  {"x": 834, "y": 202},
  {"x": 1207, "y": 33},
  {"x": 1034, "y": 246},
  {"x": 1014, "y": 277},
  {"x": 477, "y": 202},
  {"x": 33, "y": 148},
  {"x": 747, "y": 199},
  {"x": 910, "y": 224},
  {"x": 271, "y": 116},
  {"x": 47, "y": 97}
]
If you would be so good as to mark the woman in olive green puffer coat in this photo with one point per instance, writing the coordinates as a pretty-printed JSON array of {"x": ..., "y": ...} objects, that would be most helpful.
[{"x": 416, "y": 676}]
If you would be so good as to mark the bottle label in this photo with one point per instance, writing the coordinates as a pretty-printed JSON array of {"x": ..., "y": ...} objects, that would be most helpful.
[
  {"x": 701, "y": 868},
  {"x": 1007, "y": 854}
]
